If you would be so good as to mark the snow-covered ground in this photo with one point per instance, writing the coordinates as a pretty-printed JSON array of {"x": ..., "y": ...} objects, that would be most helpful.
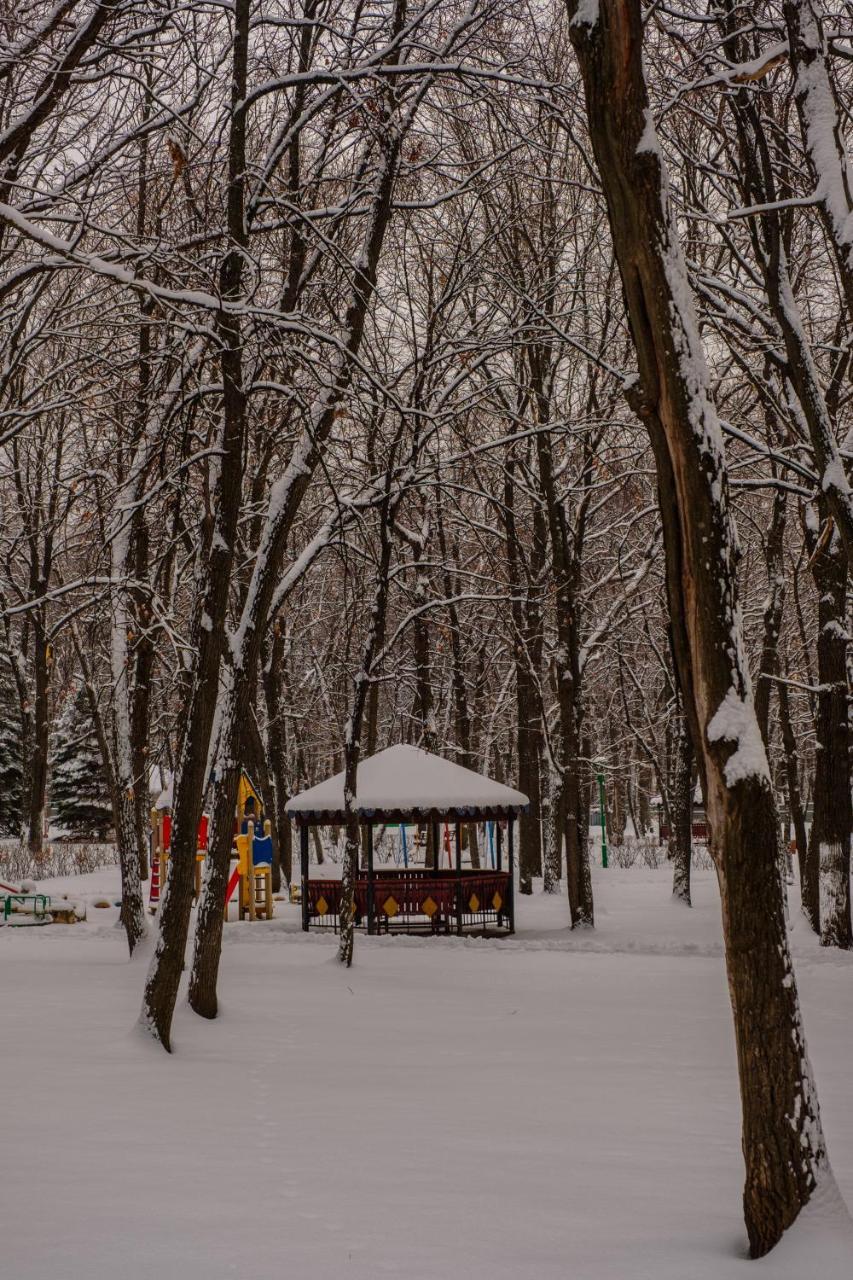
[{"x": 553, "y": 1105}]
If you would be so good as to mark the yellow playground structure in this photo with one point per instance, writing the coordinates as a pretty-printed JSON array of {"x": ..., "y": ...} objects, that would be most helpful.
[{"x": 252, "y": 852}]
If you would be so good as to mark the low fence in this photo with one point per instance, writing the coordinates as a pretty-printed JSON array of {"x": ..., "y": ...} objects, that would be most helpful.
[{"x": 417, "y": 900}]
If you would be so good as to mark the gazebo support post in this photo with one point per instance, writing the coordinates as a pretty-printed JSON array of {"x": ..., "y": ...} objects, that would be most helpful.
[
  {"x": 303, "y": 856},
  {"x": 436, "y": 849},
  {"x": 458, "y": 880},
  {"x": 370, "y": 911},
  {"x": 511, "y": 886}
]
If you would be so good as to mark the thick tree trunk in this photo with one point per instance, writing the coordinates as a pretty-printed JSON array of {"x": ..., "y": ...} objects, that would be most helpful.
[
  {"x": 783, "y": 1143},
  {"x": 211, "y": 911},
  {"x": 161, "y": 988},
  {"x": 290, "y": 489}
]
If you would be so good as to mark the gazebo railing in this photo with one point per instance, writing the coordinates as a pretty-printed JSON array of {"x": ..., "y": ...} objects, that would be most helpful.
[{"x": 414, "y": 899}]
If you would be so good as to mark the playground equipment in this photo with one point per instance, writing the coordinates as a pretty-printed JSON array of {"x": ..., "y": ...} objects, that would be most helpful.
[
  {"x": 252, "y": 849},
  {"x": 161, "y": 840},
  {"x": 252, "y": 876},
  {"x": 21, "y": 906}
]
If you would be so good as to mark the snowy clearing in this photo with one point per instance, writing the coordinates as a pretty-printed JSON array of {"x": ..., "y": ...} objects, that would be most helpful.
[{"x": 546, "y": 1106}]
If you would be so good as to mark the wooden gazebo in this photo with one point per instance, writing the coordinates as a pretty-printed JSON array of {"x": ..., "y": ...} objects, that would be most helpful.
[{"x": 403, "y": 786}]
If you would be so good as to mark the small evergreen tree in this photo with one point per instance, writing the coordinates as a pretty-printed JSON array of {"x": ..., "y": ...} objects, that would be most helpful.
[
  {"x": 79, "y": 792},
  {"x": 11, "y": 764}
]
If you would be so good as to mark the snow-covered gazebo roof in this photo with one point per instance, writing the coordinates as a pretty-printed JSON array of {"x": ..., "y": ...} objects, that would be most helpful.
[{"x": 406, "y": 782}]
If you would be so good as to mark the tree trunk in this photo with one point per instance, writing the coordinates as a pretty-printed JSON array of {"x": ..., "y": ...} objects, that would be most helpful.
[
  {"x": 792, "y": 782},
  {"x": 424, "y": 708},
  {"x": 644, "y": 809},
  {"x": 277, "y": 731},
  {"x": 161, "y": 988},
  {"x": 771, "y": 244},
  {"x": 826, "y": 154},
  {"x": 527, "y": 646},
  {"x": 40, "y": 740},
  {"x": 132, "y": 914},
  {"x": 617, "y": 818},
  {"x": 573, "y": 810},
  {"x": 552, "y": 827},
  {"x": 681, "y": 813},
  {"x": 461, "y": 710},
  {"x": 352, "y": 736},
  {"x": 774, "y": 552},
  {"x": 132, "y": 906},
  {"x": 140, "y": 711},
  {"x": 783, "y": 1142},
  {"x": 211, "y": 911},
  {"x": 828, "y": 870}
]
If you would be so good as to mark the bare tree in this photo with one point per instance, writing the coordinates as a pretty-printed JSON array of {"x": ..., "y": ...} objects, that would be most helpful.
[{"x": 782, "y": 1139}]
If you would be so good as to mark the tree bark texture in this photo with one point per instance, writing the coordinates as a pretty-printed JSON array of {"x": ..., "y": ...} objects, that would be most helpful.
[
  {"x": 681, "y": 813},
  {"x": 783, "y": 1144},
  {"x": 161, "y": 988},
  {"x": 792, "y": 781},
  {"x": 527, "y": 653},
  {"x": 827, "y": 889},
  {"x": 36, "y": 799}
]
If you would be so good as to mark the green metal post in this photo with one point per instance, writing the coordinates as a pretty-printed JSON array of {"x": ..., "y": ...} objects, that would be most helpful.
[{"x": 603, "y": 813}]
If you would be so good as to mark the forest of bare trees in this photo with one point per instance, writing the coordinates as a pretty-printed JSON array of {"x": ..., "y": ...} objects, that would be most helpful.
[{"x": 474, "y": 374}]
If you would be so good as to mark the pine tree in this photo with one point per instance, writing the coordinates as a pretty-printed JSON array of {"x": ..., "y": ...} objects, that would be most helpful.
[
  {"x": 11, "y": 765},
  {"x": 79, "y": 792}
]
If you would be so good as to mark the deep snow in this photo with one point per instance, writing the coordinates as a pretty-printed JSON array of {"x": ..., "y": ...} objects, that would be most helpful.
[{"x": 554, "y": 1105}]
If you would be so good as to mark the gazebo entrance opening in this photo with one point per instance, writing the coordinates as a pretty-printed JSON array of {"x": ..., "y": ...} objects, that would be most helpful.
[{"x": 406, "y": 786}]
